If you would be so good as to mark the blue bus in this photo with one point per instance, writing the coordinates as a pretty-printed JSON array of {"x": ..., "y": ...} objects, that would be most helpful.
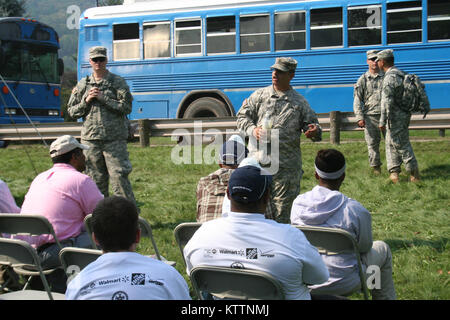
[
  {"x": 30, "y": 72},
  {"x": 201, "y": 58}
]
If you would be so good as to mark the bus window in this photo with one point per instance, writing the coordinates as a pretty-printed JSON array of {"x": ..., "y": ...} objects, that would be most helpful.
[
  {"x": 221, "y": 35},
  {"x": 404, "y": 22},
  {"x": 91, "y": 34},
  {"x": 255, "y": 33},
  {"x": 326, "y": 27},
  {"x": 364, "y": 26},
  {"x": 438, "y": 20},
  {"x": 126, "y": 41},
  {"x": 290, "y": 31},
  {"x": 188, "y": 37},
  {"x": 157, "y": 40}
]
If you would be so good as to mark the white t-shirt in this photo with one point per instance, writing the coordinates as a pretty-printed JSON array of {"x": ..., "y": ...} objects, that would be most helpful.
[
  {"x": 127, "y": 276},
  {"x": 246, "y": 240}
]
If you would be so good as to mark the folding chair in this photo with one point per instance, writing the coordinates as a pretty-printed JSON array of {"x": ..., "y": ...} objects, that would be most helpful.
[
  {"x": 20, "y": 254},
  {"x": 183, "y": 233},
  {"x": 146, "y": 232},
  {"x": 25, "y": 224},
  {"x": 75, "y": 259},
  {"x": 237, "y": 284},
  {"x": 331, "y": 241}
]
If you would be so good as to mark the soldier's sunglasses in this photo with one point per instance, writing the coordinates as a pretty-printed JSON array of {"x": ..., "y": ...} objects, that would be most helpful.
[{"x": 99, "y": 59}]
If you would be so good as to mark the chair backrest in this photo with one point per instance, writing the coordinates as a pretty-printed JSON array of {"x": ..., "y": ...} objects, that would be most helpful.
[
  {"x": 331, "y": 241},
  {"x": 88, "y": 227},
  {"x": 21, "y": 252},
  {"x": 238, "y": 284},
  {"x": 16, "y": 223},
  {"x": 146, "y": 232},
  {"x": 75, "y": 259},
  {"x": 184, "y": 232}
]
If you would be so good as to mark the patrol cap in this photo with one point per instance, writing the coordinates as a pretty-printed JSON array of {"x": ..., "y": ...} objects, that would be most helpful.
[
  {"x": 97, "y": 52},
  {"x": 65, "y": 144},
  {"x": 248, "y": 184},
  {"x": 372, "y": 54},
  {"x": 233, "y": 151},
  {"x": 388, "y": 53},
  {"x": 285, "y": 64}
]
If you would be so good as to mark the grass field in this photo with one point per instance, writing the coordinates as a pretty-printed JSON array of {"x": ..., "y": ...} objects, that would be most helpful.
[{"x": 413, "y": 219}]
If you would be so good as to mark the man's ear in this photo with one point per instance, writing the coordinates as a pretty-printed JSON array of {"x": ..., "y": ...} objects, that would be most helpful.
[
  {"x": 95, "y": 239},
  {"x": 138, "y": 236}
]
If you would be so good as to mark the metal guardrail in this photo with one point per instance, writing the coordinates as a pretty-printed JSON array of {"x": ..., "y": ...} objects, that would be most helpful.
[{"x": 333, "y": 122}]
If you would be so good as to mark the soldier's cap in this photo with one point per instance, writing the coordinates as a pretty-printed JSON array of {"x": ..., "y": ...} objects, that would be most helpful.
[
  {"x": 97, "y": 52},
  {"x": 233, "y": 151},
  {"x": 372, "y": 54},
  {"x": 388, "y": 53},
  {"x": 285, "y": 64},
  {"x": 248, "y": 184},
  {"x": 65, "y": 144}
]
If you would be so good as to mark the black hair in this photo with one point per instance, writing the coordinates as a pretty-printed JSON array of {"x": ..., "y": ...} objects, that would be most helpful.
[
  {"x": 115, "y": 223},
  {"x": 329, "y": 160},
  {"x": 65, "y": 158}
]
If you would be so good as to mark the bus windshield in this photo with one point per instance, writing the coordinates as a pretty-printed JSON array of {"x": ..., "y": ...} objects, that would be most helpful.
[{"x": 28, "y": 62}]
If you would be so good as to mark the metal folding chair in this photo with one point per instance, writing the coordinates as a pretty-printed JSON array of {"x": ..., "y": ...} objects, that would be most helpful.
[
  {"x": 237, "y": 284},
  {"x": 20, "y": 254},
  {"x": 30, "y": 225},
  {"x": 183, "y": 233},
  {"x": 331, "y": 241}
]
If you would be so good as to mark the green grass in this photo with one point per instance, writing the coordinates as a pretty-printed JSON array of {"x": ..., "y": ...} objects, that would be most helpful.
[{"x": 412, "y": 218}]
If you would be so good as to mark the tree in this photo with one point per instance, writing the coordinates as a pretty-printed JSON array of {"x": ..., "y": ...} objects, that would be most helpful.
[{"x": 12, "y": 8}]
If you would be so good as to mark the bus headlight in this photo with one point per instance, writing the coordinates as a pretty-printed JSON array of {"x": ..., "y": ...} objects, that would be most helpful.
[
  {"x": 10, "y": 111},
  {"x": 53, "y": 113}
]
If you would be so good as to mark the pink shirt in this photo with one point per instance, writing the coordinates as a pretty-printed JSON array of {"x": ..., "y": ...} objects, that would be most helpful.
[
  {"x": 7, "y": 202},
  {"x": 64, "y": 196}
]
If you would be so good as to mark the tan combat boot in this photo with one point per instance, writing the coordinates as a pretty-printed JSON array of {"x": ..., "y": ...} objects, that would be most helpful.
[
  {"x": 394, "y": 177},
  {"x": 415, "y": 176}
]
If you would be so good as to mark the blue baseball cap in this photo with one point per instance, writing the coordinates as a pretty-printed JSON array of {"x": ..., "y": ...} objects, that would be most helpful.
[{"x": 248, "y": 184}]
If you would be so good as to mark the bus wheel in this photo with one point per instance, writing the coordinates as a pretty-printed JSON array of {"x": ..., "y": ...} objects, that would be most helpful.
[
  {"x": 206, "y": 107},
  {"x": 202, "y": 108}
]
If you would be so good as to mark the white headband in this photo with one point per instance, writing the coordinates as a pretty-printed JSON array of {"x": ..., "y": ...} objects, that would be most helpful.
[{"x": 330, "y": 175}]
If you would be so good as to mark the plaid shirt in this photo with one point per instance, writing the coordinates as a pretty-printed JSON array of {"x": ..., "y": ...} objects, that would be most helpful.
[{"x": 211, "y": 191}]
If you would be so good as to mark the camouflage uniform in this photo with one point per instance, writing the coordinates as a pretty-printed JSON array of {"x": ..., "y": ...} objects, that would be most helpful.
[
  {"x": 290, "y": 113},
  {"x": 396, "y": 121},
  {"x": 366, "y": 105},
  {"x": 105, "y": 131}
]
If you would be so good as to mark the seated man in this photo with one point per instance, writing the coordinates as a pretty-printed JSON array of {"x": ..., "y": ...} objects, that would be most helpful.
[
  {"x": 64, "y": 196},
  {"x": 325, "y": 206},
  {"x": 211, "y": 190},
  {"x": 120, "y": 273},
  {"x": 244, "y": 237}
]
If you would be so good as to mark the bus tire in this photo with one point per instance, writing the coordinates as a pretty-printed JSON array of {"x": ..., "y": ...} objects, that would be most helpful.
[{"x": 206, "y": 107}]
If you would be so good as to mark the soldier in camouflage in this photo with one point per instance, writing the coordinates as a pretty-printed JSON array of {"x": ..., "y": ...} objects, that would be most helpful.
[
  {"x": 395, "y": 120},
  {"x": 103, "y": 100},
  {"x": 287, "y": 111},
  {"x": 366, "y": 105}
]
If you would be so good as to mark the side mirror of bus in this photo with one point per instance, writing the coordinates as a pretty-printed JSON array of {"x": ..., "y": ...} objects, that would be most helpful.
[{"x": 60, "y": 67}]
